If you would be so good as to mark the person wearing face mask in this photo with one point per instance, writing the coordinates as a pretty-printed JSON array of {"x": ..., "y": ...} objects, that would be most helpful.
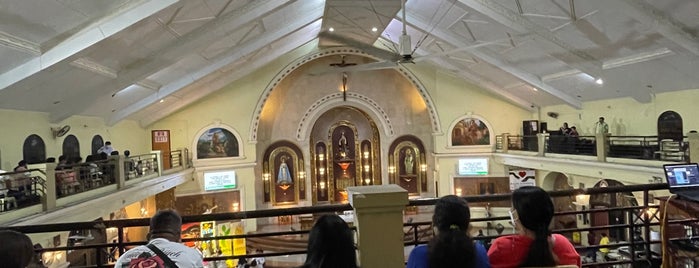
[{"x": 534, "y": 245}]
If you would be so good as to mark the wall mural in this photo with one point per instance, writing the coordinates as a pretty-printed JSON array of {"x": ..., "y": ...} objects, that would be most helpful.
[
  {"x": 470, "y": 131},
  {"x": 217, "y": 143}
]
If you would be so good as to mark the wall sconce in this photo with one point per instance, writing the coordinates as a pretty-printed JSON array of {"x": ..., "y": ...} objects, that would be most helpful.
[
  {"x": 582, "y": 199},
  {"x": 458, "y": 191},
  {"x": 423, "y": 167},
  {"x": 391, "y": 169},
  {"x": 322, "y": 185},
  {"x": 366, "y": 168},
  {"x": 321, "y": 157},
  {"x": 650, "y": 213},
  {"x": 265, "y": 178},
  {"x": 367, "y": 181},
  {"x": 236, "y": 207},
  {"x": 366, "y": 154},
  {"x": 321, "y": 171},
  {"x": 302, "y": 174}
]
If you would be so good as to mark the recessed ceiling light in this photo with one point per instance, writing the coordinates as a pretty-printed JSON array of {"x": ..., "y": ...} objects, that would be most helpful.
[
  {"x": 535, "y": 89},
  {"x": 162, "y": 100},
  {"x": 374, "y": 29},
  {"x": 331, "y": 29},
  {"x": 599, "y": 81}
]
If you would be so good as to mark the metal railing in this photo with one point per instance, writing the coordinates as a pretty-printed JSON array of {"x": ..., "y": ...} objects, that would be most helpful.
[
  {"x": 627, "y": 147},
  {"x": 139, "y": 166},
  {"x": 638, "y": 218}
]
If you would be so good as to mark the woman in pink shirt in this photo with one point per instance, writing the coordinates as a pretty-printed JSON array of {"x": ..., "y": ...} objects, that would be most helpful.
[{"x": 533, "y": 245}]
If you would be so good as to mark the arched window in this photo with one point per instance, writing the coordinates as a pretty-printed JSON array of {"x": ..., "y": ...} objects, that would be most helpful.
[
  {"x": 34, "y": 149},
  {"x": 71, "y": 147},
  {"x": 97, "y": 143},
  {"x": 670, "y": 126}
]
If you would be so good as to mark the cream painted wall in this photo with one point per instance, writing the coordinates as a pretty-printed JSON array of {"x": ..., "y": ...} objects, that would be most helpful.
[
  {"x": 626, "y": 116},
  {"x": 127, "y": 135},
  {"x": 455, "y": 98}
]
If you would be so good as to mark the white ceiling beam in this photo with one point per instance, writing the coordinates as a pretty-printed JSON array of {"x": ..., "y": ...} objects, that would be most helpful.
[
  {"x": 494, "y": 60},
  {"x": 162, "y": 58},
  {"x": 311, "y": 16},
  {"x": 616, "y": 63},
  {"x": 95, "y": 67},
  {"x": 574, "y": 57},
  {"x": 19, "y": 44},
  {"x": 83, "y": 39},
  {"x": 291, "y": 42},
  {"x": 666, "y": 26}
]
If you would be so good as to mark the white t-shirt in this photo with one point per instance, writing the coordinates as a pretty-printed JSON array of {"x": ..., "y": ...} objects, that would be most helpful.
[{"x": 181, "y": 255}]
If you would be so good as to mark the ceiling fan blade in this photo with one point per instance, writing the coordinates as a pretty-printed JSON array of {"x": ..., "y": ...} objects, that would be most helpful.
[
  {"x": 372, "y": 50},
  {"x": 359, "y": 68},
  {"x": 459, "y": 49}
]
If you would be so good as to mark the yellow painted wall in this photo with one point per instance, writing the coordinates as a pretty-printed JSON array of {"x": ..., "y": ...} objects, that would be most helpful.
[
  {"x": 18, "y": 125},
  {"x": 626, "y": 116},
  {"x": 455, "y": 99}
]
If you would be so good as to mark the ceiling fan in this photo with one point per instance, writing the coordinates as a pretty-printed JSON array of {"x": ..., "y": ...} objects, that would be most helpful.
[{"x": 392, "y": 59}]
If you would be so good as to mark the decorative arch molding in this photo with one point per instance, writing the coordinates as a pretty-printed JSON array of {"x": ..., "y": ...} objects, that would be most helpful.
[
  {"x": 331, "y": 101},
  {"x": 214, "y": 161},
  {"x": 491, "y": 139},
  {"x": 431, "y": 109}
]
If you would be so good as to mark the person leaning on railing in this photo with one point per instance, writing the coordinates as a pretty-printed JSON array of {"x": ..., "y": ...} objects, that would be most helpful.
[{"x": 534, "y": 245}]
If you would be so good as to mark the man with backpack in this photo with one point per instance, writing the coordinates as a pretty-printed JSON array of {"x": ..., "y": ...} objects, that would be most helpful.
[{"x": 164, "y": 249}]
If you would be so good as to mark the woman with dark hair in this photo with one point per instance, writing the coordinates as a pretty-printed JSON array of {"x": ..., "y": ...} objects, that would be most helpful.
[
  {"x": 16, "y": 249},
  {"x": 534, "y": 245},
  {"x": 451, "y": 246},
  {"x": 330, "y": 244}
]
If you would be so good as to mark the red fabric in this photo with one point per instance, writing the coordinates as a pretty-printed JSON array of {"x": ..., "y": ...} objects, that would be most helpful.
[{"x": 510, "y": 251}]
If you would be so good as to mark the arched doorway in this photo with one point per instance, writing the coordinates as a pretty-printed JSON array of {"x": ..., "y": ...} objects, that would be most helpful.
[
  {"x": 670, "y": 126},
  {"x": 610, "y": 200},
  {"x": 344, "y": 144}
]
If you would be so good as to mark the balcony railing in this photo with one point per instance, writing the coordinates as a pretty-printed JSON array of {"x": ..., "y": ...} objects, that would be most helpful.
[
  {"x": 627, "y": 147},
  {"x": 638, "y": 219},
  {"x": 47, "y": 186}
]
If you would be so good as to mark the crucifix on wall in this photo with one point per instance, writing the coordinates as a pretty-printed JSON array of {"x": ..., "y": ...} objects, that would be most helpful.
[{"x": 343, "y": 64}]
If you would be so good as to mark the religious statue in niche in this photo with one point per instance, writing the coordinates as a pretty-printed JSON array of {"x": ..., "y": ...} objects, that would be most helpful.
[
  {"x": 409, "y": 162},
  {"x": 284, "y": 179},
  {"x": 342, "y": 146}
]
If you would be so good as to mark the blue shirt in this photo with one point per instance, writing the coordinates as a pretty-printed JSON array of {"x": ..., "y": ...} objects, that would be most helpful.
[{"x": 418, "y": 257}]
